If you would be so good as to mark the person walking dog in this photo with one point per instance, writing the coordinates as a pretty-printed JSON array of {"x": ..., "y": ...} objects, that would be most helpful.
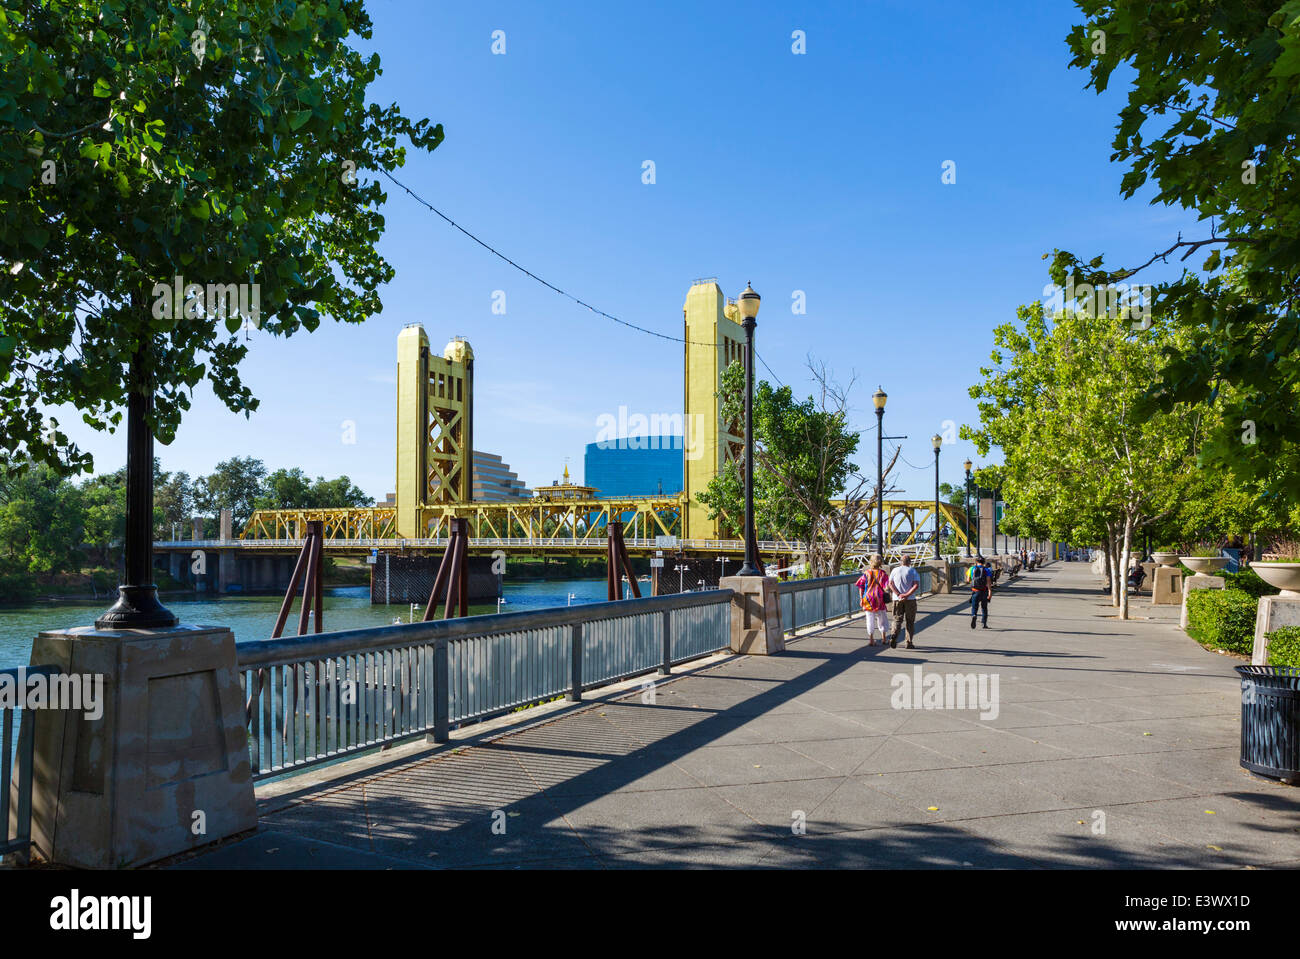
[
  {"x": 980, "y": 577},
  {"x": 871, "y": 585},
  {"x": 904, "y": 583}
]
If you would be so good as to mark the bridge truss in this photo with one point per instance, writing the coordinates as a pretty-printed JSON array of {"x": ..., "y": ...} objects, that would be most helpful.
[{"x": 575, "y": 525}]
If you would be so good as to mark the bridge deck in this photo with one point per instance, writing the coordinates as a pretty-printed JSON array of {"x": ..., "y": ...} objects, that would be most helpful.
[{"x": 1131, "y": 720}]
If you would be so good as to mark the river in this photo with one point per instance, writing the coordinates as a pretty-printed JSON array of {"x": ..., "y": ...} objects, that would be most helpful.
[{"x": 253, "y": 617}]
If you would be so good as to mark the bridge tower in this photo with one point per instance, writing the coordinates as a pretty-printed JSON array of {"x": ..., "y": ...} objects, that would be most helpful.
[
  {"x": 714, "y": 338},
  {"x": 435, "y": 427}
]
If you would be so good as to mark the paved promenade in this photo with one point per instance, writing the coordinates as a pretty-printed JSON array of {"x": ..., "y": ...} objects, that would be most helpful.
[{"x": 1115, "y": 746}]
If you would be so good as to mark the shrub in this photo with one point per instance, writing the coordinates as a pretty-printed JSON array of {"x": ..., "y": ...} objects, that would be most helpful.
[
  {"x": 1222, "y": 618},
  {"x": 1248, "y": 581},
  {"x": 1284, "y": 646}
]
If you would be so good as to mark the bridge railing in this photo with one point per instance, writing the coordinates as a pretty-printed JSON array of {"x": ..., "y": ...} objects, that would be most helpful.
[
  {"x": 539, "y": 542},
  {"x": 804, "y": 602},
  {"x": 317, "y": 698},
  {"x": 16, "y": 758}
]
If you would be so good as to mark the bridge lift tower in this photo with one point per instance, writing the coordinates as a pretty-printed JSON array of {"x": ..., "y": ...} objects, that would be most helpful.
[{"x": 435, "y": 427}]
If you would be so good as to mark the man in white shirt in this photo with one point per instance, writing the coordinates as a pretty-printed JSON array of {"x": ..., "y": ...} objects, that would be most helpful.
[
  {"x": 904, "y": 583},
  {"x": 1033, "y": 558}
]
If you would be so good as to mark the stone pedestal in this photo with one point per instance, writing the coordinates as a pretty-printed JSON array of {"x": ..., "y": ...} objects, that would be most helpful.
[
  {"x": 163, "y": 769},
  {"x": 1167, "y": 586},
  {"x": 1197, "y": 581},
  {"x": 1273, "y": 612},
  {"x": 755, "y": 615}
]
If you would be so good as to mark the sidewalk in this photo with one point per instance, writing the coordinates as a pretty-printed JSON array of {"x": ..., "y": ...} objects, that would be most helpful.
[{"x": 1126, "y": 726}]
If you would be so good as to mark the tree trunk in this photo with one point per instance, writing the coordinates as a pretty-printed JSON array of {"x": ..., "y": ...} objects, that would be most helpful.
[
  {"x": 1112, "y": 547},
  {"x": 1123, "y": 565}
]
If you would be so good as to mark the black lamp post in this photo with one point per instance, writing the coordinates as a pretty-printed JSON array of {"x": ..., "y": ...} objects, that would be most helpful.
[
  {"x": 967, "y": 464},
  {"x": 879, "y": 398},
  {"x": 936, "y": 441},
  {"x": 137, "y": 605},
  {"x": 996, "y": 494},
  {"x": 748, "y": 304}
]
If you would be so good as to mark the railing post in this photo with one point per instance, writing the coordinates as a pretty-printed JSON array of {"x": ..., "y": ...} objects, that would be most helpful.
[
  {"x": 575, "y": 666},
  {"x": 26, "y": 753},
  {"x": 666, "y": 667},
  {"x": 823, "y": 605},
  {"x": 441, "y": 692}
]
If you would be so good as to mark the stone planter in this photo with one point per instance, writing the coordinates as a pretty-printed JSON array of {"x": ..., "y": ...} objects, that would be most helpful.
[
  {"x": 1283, "y": 576},
  {"x": 1204, "y": 564},
  {"x": 1165, "y": 559}
]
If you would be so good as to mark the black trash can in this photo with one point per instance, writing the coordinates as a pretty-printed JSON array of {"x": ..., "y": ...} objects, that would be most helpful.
[{"x": 1270, "y": 721}]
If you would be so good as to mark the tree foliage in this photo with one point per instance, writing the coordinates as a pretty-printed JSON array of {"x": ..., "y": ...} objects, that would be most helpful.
[
  {"x": 806, "y": 486},
  {"x": 1210, "y": 121},
  {"x": 148, "y": 145}
]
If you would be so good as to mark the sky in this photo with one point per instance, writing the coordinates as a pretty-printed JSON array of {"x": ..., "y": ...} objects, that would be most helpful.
[{"x": 819, "y": 172}]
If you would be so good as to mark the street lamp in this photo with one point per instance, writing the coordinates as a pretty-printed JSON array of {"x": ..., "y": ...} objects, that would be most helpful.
[
  {"x": 878, "y": 398},
  {"x": 748, "y": 305},
  {"x": 936, "y": 441},
  {"x": 967, "y": 464},
  {"x": 137, "y": 605}
]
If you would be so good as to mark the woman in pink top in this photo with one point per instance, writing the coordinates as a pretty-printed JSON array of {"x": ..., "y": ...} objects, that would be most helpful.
[{"x": 871, "y": 584}]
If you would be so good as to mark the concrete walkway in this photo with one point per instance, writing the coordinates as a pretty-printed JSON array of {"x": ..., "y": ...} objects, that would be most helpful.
[{"x": 1115, "y": 746}]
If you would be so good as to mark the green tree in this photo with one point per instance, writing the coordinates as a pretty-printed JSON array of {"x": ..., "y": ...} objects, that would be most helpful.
[
  {"x": 1080, "y": 456},
  {"x": 173, "y": 499},
  {"x": 234, "y": 484},
  {"x": 148, "y": 146},
  {"x": 806, "y": 486},
  {"x": 104, "y": 500},
  {"x": 293, "y": 489},
  {"x": 40, "y": 522},
  {"x": 1210, "y": 121}
]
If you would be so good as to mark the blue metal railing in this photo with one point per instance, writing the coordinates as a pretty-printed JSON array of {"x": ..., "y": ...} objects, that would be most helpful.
[
  {"x": 317, "y": 698},
  {"x": 16, "y": 765},
  {"x": 804, "y": 602}
]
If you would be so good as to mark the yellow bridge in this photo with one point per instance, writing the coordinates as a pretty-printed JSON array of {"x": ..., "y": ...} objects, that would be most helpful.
[{"x": 434, "y": 469}]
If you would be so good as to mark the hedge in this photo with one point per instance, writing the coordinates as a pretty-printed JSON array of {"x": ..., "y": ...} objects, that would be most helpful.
[
  {"x": 1248, "y": 581},
  {"x": 1222, "y": 618},
  {"x": 1284, "y": 646}
]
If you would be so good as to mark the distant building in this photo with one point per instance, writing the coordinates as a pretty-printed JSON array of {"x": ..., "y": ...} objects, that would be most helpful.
[
  {"x": 642, "y": 466},
  {"x": 495, "y": 481}
]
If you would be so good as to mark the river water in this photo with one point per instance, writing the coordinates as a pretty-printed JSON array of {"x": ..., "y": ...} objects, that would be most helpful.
[{"x": 253, "y": 617}]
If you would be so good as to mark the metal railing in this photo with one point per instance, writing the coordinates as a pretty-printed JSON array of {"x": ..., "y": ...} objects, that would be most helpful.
[
  {"x": 804, "y": 602},
  {"x": 594, "y": 541},
  {"x": 317, "y": 698},
  {"x": 16, "y": 760}
]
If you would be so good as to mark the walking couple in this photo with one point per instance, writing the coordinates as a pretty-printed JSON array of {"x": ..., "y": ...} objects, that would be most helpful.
[{"x": 904, "y": 582}]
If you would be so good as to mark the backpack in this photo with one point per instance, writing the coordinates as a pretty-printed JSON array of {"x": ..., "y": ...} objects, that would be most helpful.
[{"x": 979, "y": 577}]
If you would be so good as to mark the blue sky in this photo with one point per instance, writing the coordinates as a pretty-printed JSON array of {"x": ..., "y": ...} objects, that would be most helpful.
[{"x": 818, "y": 172}]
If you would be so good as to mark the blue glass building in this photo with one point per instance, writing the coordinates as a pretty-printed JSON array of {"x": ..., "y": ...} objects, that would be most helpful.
[{"x": 623, "y": 468}]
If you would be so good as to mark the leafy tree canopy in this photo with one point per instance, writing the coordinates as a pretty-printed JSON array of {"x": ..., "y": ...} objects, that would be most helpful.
[
  {"x": 1210, "y": 121},
  {"x": 148, "y": 145}
]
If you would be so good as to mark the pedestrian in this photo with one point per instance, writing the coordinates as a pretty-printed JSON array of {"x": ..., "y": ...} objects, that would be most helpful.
[
  {"x": 904, "y": 583},
  {"x": 1033, "y": 559},
  {"x": 980, "y": 577},
  {"x": 871, "y": 586}
]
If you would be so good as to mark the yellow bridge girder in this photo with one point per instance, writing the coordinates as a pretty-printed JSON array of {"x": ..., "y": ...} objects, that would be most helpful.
[{"x": 578, "y": 523}]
